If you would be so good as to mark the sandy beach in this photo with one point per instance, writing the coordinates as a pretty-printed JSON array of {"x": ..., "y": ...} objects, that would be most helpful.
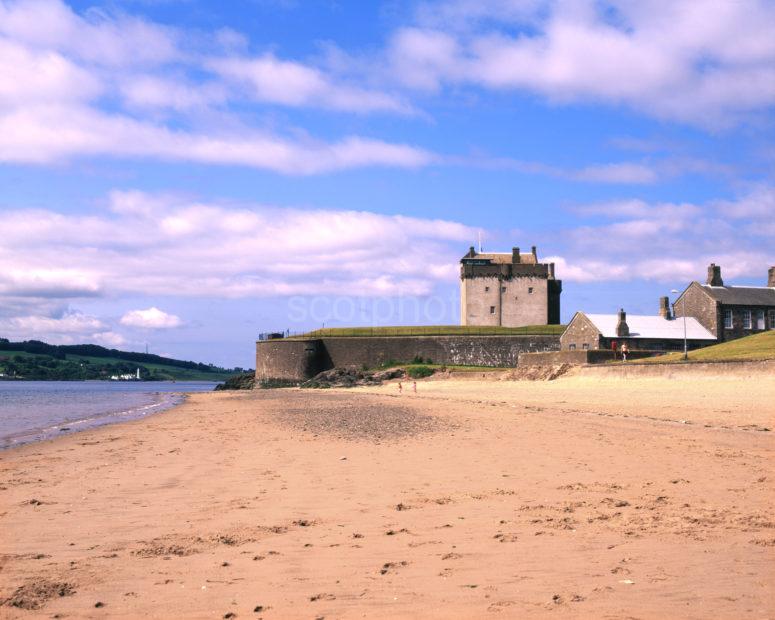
[{"x": 582, "y": 497}]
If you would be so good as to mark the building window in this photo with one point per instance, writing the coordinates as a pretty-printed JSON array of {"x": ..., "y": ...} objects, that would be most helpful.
[
  {"x": 760, "y": 319},
  {"x": 571, "y": 347},
  {"x": 585, "y": 346},
  {"x": 492, "y": 309},
  {"x": 530, "y": 290},
  {"x": 772, "y": 319},
  {"x": 746, "y": 319},
  {"x": 486, "y": 289},
  {"x": 503, "y": 289},
  {"x": 727, "y": 319}
]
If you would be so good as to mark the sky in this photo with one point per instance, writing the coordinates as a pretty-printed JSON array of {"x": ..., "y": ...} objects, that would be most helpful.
[{"x": 186, "y": 175}]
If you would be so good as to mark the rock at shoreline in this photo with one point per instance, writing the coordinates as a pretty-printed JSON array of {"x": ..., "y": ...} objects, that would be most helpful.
[
  {"x": 352, "y": 376},
  {"x": 243, "y": 381}
]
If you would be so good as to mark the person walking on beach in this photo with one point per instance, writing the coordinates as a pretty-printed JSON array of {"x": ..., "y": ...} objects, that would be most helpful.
[
  {"x": 400, "y": 388},
  {"x": 414, "y": 387},
  {"x": 625, "y": 350}
]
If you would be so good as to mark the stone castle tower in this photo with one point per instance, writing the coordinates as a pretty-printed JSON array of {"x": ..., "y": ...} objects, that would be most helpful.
[{"x": 508, "y": 289}]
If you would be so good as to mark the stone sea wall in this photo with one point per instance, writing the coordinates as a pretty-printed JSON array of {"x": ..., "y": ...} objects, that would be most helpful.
[{"x": 292, "y": 359}]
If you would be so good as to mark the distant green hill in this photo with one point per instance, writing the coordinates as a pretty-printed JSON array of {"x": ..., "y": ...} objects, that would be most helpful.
[
  {"x": 33, "y": 360},
  {"x": 751, "y": 348}
]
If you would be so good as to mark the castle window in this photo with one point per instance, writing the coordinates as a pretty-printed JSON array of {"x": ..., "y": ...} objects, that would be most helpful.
[
  {"x": 530, "y": 290},
  {"x": 585, "y": 346},
  {"x": 492, "y": 309},
  {"x": 746, "y": 319},
  {"x": 571, "y": 347},
  {"x": 503, "y": 289},
  {"x": 727, "y": 319},
  {"x": 772, "y": 319},
  {"x": 486, "y": 289}
]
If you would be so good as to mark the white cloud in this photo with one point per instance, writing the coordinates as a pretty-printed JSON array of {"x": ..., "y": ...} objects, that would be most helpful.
[
  {"x": 98, "y": 37},
  {"x": 152, "y": 318},
  {"x": 272, "y": 80},
  {"x": 70, "y": 327},
  {"x": 154, "y": 244},
  {"x": 44, "y": 134},
  {"x": 691, "y": 61},
  {"x": 670, "y": 242},
  {"x": 109, "y": 84}
]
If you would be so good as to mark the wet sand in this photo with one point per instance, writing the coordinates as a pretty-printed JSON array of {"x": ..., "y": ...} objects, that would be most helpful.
[{"x": 573, "y": 498}]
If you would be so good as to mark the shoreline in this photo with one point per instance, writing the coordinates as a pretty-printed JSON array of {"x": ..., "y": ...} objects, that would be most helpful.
[
  {"x": 63, "y": 429},
  {"x": 83, "y": 408},
  {"x": 466, "y": 499}
]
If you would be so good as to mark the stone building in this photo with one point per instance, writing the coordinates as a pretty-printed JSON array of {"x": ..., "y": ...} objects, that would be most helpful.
[
  {"x": 638, "y": 332},
  {"x": 729, "y": 312},
  {"x": 508, "y": 289}
]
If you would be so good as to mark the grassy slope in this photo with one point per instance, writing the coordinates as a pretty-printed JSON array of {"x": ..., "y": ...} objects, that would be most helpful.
[
  {"x": 756, "y": 347},
  {"x": 435, "y": 330},
  {"x": 173, "y": 373}
]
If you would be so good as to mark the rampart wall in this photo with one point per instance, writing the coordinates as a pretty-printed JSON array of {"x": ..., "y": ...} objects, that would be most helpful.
[{"x": 297, "y": 360}]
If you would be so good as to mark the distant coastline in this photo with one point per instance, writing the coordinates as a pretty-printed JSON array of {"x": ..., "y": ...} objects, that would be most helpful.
[{"x": 33, "y": 360}]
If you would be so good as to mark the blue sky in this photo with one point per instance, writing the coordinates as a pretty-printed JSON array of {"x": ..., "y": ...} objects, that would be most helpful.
[{"x": 189, "y": 174}]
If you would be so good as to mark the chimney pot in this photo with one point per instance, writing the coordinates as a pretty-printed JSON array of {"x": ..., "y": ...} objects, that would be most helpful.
[
  {"x": 771, "y": 277},
  {"x": 515, "y": 256},
  {"x": 664, "y": 307},
  {"x": 534, "y": 252},
  {"x": 714, "y": 275},
  {"x": 622, "y": 330}
]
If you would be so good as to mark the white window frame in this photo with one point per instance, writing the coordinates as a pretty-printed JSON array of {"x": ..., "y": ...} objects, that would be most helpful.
[
  {"x": 571, "y": 347},
  {"x": 772, "y": 319},
  {"x": 747, "y": 319},
  {"x": 728, "y": 321},
  {"x": 761, "y": 320}
]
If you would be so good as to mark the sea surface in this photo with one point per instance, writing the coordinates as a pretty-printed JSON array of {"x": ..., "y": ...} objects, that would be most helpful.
[{"x": 36, "y": 410}]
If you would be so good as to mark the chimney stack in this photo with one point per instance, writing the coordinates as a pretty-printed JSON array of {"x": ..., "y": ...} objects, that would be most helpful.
[
  {"x": 622, "y": 331},
  {"x": 535, "y": 253},
  {"x": 664, "y": 308},
  {"x": 471, "y": 252},
  {"x": 515, "y": 256},
  {"x": 771, "y": 277},
  {"x": 551, "y": 271},
  {"x": 714, "y": 275}
]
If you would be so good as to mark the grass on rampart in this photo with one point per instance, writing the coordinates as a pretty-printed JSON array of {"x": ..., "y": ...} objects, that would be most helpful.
[
  {"x": 434, "y": 330},
  {"x": 751, "y": 348}
]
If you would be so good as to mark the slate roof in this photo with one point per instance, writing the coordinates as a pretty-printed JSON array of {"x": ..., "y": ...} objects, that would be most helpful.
[
  {"x": 742, "y": 295},
  {"x": 650, "y": 326}
]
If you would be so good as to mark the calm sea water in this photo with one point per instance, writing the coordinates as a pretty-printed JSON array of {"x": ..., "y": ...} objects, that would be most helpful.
[{"x": 35, "y": 410}]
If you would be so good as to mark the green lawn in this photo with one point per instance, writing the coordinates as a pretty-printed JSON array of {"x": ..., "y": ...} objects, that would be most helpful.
[
  {"x": 751, "y": 348},
  {"x": 435, "y": 330}
]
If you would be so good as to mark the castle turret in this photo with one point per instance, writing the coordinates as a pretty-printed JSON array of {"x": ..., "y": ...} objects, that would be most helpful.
[
  {"x": 714, "y": 275},
  {"x": 622, "y": 330}
]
